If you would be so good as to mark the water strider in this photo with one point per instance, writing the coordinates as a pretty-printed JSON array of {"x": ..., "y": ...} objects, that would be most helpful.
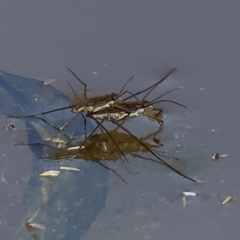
[
  {"x": 111, "y": 104},
  {"x": 124, "y": 110},
  {"x": 93, "y": 104},
  {"x": 96, "y": 103}
]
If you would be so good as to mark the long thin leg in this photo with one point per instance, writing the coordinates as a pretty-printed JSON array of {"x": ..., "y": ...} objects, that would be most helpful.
[
  {"x": 179, "y": 104},
  {"x": 132, "y": 95},
  {"x": 38, "y": 143},
  {"x": 120, "y": 93},
  {"x": 149, "y": 159},
  {"x": 66, "y": 125},
  {"x": 84, "y": 84},
  {"x": 110, "y": 135},
  {"x": 51, "y": 125},
  {"x": 110, "y": 169},
  {"x": 152, "y": 86},
  {"x": 85, "y": 125},
  {"x": 169, "y": 166},
  {"x": 155, "y": 117},
  {"x": 39, "y": 114}
]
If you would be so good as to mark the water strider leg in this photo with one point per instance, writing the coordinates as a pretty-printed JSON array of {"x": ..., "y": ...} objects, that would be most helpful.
[
  {"x": 110, "y": 169},
  {"x": 110, "y": 135},
  {"x": 84, "y": 84},
  {"x": 153, "y": 86},
  {"x": 156, "y": 116},
  {"x": 165, "y": 163},
  {"x": 85, "y": 125}
]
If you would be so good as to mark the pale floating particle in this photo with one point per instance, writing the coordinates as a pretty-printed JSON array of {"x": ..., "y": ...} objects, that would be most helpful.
[
  {"x": 30, "y": 226},
  {"x": 192, "y": 194},
  {"x": 104, "y": 147},
  {"x": 50, "y": 173},
  {"x": 217, "y": 156},
  {"x": 201, "y": 88},
  {"x": 50, "y": 81},
  {"x": 75, "y": 148},
  {"x": 94, "y": 73},
  {"x": 69, "y": 169},
  {"x": 9, "y": 127},
  {"x": 198, "y": 180},
  {"x": 185, "y": 195},
  {"x": 227, "y": 200},
  {"x": 55, "y": 140},
  {"x": 59, "y": 142},
  {"x": 184, "y": 201}
]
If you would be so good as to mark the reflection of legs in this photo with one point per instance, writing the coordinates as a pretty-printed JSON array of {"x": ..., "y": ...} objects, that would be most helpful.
[
  {"x": 45, "y": 121},
  {"x": 110, "y": 135},
  {"x": 85, "y": 125},
  {"x": 153, "y": 135},
  {"x": 66, "y": 125},
  {"x": 38, "y": 143},
  {"x": 110, "y": 169},
  {"x": 162, "y": 161},
  {"x": 120, "y": 123},
  {"x": 156, "y": 117},
  {"x": 149, "y": 159}
]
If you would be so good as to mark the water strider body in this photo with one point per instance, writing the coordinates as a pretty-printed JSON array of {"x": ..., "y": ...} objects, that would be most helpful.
[
  {"x": 125, "y": 110},
  {"x": 94, "y": 104},
  {"x": 97, "y": 103},
  {"x": 122, "y": 110},
  {"x": 102, "y": 102}
]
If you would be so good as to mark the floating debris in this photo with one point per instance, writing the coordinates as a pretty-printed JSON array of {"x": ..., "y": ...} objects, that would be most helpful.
[
  {"x": 69, "y": 169},
  {"x": 217, "y": 156},
  {"x": 30, "y": 226},
  {"x": 192, "y": 194},
  {"x": 50, "y": 81},
  {"x": 198, "y": 181},
  {"x": 227, "y": 200},
  {"x": 50, "y": 173},
  {"x": 9, "y": 127},
  {"x": 59, "y": 142},
  {"x": 184, "y": 201},
  {"x": 185, "y": 195}
]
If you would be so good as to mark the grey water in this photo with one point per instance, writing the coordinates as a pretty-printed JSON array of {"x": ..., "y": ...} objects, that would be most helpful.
[{"x": 106, "y": 43}]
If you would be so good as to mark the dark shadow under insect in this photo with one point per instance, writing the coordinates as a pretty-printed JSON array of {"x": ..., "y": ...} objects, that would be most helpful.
[
  {"x": 101, "y": 146},
  {"x": 149, "y": 150}
]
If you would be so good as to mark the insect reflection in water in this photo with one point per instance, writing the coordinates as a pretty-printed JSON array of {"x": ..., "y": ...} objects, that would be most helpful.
[{"x": 100, "y": 147}]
